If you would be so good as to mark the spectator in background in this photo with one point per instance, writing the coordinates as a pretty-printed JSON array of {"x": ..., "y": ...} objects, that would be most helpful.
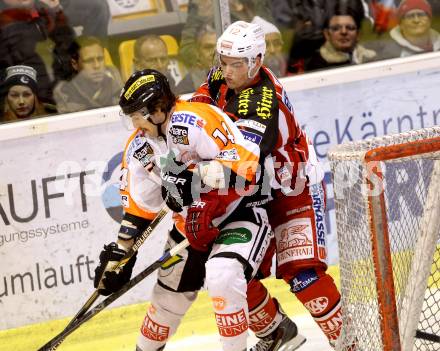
[
  {"x": 413, "y": 35},
  {"x": 341, "y": 47},
  {"x": 201, "y": 12},
  {"x": 88, "y": 17},
  {"x": 274, "y": 58},
  {"x": 246, "y": 10},
  {"x": 150, "y": 51},
  {"x": 91, "y": 84},
  {"x": 23, "y": 25},
  {"x": 206, "y": 43},
  {"x": 382, "y": 13},
  {"x": 307, "y": 18},
  {"x": 310, "y": 14},
  {"x": 20, "y": 95}
]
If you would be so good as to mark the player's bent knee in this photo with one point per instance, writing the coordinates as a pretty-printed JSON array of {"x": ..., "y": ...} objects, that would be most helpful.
[
  {"x": 163, "y": 317},
  {"x": 225, "y": 275},
  {"x": 177, "y": 302}
]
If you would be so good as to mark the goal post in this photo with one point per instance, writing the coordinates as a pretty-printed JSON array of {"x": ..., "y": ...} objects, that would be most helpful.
[{"x": 387, "y": 203}]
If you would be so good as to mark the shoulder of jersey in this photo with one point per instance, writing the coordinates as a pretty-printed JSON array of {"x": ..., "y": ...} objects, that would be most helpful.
[
  {"x": 136, "y": 143},
  {"x": 190, "y": 114},
  {"x": 215, "y": 80}
]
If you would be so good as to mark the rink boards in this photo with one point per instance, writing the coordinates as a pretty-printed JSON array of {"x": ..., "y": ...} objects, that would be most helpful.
[{"x": 59, "y": 200}]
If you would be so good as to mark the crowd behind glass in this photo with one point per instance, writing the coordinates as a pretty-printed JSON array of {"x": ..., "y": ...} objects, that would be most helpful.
[{"x": 61, "y": 56}]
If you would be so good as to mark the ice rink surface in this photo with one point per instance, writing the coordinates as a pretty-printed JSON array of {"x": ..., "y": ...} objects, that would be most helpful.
[
  {"x": 315, "y": 339},
  {"x": 117, "y": 329}
]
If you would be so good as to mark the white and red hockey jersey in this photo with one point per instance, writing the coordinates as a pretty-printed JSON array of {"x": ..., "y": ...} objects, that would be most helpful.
[
  {"x": 140, "y": 183},
  {"x": 201, "y": 132}
]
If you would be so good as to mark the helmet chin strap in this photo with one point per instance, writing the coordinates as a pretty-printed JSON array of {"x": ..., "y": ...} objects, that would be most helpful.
[
  {"x": 160, "y": 124},
  {"x": 250, "y": 68}
]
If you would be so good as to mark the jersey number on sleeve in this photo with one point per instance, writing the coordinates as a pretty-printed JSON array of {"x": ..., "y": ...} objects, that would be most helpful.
[{"x": 224, "y": 135}]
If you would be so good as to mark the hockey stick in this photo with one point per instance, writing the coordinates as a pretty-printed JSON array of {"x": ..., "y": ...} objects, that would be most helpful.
[
  {"x": 53, "y": 344},
  {"x": 138, "y": 243}
]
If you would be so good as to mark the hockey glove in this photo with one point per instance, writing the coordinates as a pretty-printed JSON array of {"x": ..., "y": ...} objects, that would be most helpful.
[
  {"x": 107, "y": 280},
  {"x": 178, "y": 185},
  {"x": 198, "y": 225}
]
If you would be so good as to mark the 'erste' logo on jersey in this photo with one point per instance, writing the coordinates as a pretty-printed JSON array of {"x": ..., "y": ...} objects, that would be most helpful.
[
  {"x": 179, "y": 135},
  {"x": 186, "y": 118}
]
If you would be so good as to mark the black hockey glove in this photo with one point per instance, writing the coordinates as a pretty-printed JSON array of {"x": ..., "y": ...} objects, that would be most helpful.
[
  {"x": 106, "y": 280},
  {"x": 179, "y": 185}
]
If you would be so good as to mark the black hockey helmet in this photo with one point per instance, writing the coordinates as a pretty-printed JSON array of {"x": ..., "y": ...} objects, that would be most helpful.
[{"x": 148, "y": 89}]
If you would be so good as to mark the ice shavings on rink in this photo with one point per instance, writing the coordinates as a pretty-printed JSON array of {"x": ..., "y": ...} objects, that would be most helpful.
[{"x": 316, "y": 340}]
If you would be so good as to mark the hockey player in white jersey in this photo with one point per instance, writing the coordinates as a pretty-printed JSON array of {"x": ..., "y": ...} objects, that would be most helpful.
[{"x": 229, "y": 232}]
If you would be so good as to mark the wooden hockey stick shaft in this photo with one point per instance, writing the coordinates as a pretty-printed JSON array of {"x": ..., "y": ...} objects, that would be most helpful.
[
  {"x": 57, "y": 340},
  {"x": 138, "y": 243}
]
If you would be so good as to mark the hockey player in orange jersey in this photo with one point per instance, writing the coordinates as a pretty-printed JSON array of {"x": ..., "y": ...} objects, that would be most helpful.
[
  {"x": 231, "y": 250},
  {"x": 252, "y": 96}
]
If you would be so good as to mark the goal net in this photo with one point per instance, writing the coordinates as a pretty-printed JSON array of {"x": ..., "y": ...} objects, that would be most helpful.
[{"x": 387, "y": 202}]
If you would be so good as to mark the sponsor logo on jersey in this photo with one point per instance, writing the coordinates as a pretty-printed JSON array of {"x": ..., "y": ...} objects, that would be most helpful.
[
  {"x": 137, "y": 84},
  {"x": 124, "y": 201},
  {"x": 172, "y": 179},
  {"x": 231, "y": 324},
  {"x": 135, "y": 144},
  {"x": 249, "y": 123},
  {"x": 144, "y": 154},
  {"x": 317, "y": 306},
  {"x": 286, "y": 101},
  {"x": 303, "y": 280},
  {"x": 234, "y": 236},
  {"x": 295, "y": 241},
  {"x": 318, "y": 207},
  {"x": 186, "y": 118},
  {"x": 216, "y": 75},
  {"x": 244, "y": 100},
  {"x": 179, "y": 135},
  {"x": 255, "y": 138},
  {"x": 258, "y": 202},
  {"x": 298, "y": 210},
  {"x": 264, "y": 106},
  {"x": 331, "y": 323},
  {"x": 154, "y": 331},
  {"x": 261, "y": 103},
  {"x": 228, "y": 155},
  {"x": 219, "y": 303},
  {"x": 263, "y": 318}
]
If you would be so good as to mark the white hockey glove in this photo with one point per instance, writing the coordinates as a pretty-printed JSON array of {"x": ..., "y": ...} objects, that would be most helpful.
[{"x": 212, "y": 174}]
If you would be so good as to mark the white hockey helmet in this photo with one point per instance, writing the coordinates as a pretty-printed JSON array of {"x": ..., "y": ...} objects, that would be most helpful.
[{"x": 243, "y": 39}]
